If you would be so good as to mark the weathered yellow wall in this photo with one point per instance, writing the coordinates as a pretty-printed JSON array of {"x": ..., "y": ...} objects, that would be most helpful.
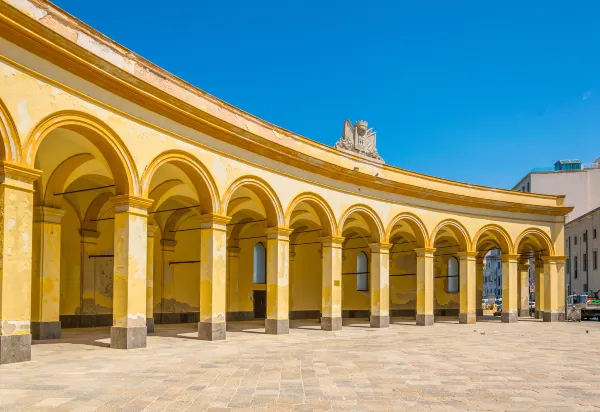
[
  {"x": 305, "y": 280},
  {"x": 70, "y": 264}
]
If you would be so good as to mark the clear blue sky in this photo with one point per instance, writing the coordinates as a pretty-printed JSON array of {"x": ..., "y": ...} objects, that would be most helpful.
[{"x": 469, "y": 91}]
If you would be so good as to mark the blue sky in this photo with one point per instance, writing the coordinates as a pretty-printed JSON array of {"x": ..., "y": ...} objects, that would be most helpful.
[{"x": 466, "y": 90}]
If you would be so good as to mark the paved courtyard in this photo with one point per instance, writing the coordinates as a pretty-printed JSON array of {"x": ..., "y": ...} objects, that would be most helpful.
[{"x": 524, "y": 366}]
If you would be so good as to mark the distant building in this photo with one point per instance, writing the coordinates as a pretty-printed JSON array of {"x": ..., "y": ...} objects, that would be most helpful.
[{"x": 580, "y": 183}]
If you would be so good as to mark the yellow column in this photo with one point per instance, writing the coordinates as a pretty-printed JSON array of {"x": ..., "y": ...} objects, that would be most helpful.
[
  {"x": 468, "y": 287},
  {"x": 45, "y": 288},
  {"x": 380, "y": 285},
  {"x": 213, "y": 280},
  {"x": 554, "y": 281},
  {"x": 278, "y": 291},
  {"x": 523, "y": 292},
  {"x": 561, "y": 287},
  {"x": 425, "y": 286},
  {"x": 479, "y": 281},
  {"x": 233, "y": 282},
  {"x": 509, "y": 288},
  {"x": 16, "y": 216},
  {"x": 291, "y": 280},
  {"x": 150, "y": 279},
  {"x": 539, "y": 289},
  {"x": 331, "y": 305},
  {"x": 129, "y": 290}
]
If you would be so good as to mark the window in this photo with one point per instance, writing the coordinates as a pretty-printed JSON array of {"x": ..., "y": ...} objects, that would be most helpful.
[
  {"x": 575, "y": 240},
  {"x": 568, "y": 266},
  {"x": 452, "y": 275},
  {"x": 594, "y": 234},
  {"x": 522, "y": 188},
  {"x": 595, "y": 259},
  {"x": 585, "y": 262},
  {"x": 575, "y": 267},
  {"x": 362, "y": 271},
  {"x": 260, "y": 264},
  {"x": 528, "y": 187},
  {"x": 585, "y": 236}
]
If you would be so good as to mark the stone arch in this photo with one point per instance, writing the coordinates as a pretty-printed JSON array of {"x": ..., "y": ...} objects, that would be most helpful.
[
  {"x": 370, "y": 216},
  {"x": 117, "y": 155},
  {"x": 92, "y": 213},
  {"x": 504, "y": 241},
  {"x": 11, "y": 144},
  {"x": 414, "y": 223},
  {"x": 205, "y": 186},
  {"x": 540, "y": 236},
  {"x": 58, "y": 180},
  {"x": 321, "y": 207},
  {"x": 457, "y": 229},
  {"x": 266, "y": 194}
]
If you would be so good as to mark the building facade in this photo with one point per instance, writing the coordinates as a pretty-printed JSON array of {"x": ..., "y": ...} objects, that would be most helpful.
[
  {"x": 129, "y": 198},
  {"x": 581, "y": 244}
]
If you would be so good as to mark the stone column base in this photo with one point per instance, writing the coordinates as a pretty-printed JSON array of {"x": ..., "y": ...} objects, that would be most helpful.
[
  {"x": 467, "y": 318},
  {"x": 509, "y": 317},
  {"x": 150, "y": 325},
  {"x": 539, "y": 314},
  {"x": 211, "y": 331},
  {"x": 45, "y": 330},
  {"x": 550, "y": 317},
  {"x": 277, "y": 326},
  {"x": 425, "y": 320},
  {"x": 128, "y": 338},
  {"x": 15, "y": 348},
  {"x": 479, "y": 312},
  {"x": 562, "y": 317},
  {"x": 380, "y": 321},
  {"x": 331, "y": 324},
  {"x": 523, "y": 313}
]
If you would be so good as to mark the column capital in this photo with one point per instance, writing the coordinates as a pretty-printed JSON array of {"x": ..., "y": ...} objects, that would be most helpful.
[
  {"x": 281, "y": 233},
  {"x": 214, "y": 221},
  {"x": 152, "y": 229},
  {"x": 510, "y": 258},
  {"x": 425, "y": 251},
  {"x": 332, "y": 241},
  {"x": 89, "y": 234},
  {"x": 48, "y": 214},
  {"x": 19, "y": 177},
  {"x": 233, "y": 251},
  {"x": 131, "y": 204},
  {"x": 168, "y": 244},
  {"x": 554, "y": 259},
  {"x": 380, "y": 247},
  {"x": 524, "y": 266},
  {"x": 468, "y": 255}
]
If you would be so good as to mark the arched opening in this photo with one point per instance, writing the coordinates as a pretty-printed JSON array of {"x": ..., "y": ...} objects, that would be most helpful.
[
  {"x": 253, "y": 208},
  {"x": 360, "y": 228},
  {"x": 449, "y": 239},
  {"x": 73, "y": 230},
  {"x": 405, "y": 233}
]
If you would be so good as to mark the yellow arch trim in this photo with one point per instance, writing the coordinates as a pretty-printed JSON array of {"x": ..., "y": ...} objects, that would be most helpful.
[
  {"x": 537, "y": 233},
  {"x": 457, "y": 225},
  {"x": 407, "y": 216},
  {"x": 370, "y": 212},
  {"x": 313, "y": 198},
  {"x": 499, "y": 230},
  {"x": 11, "y": 148}
]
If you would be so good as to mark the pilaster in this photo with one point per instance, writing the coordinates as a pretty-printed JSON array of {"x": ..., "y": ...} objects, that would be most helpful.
[
  {"x": 468, "y": 287},
  {"x": 278, "y": 291},
  {"x": 150, "y": 278},
  {"x": 16, "y": 218},
  {"x": 380, "y": 285},
  {"x": 554, "y": 300},
  {"x": 540, "y": 294},
  {"x": 425, "y": 295},
  {"x": 509, "y": 288},
  {"x": 479, "y": 280},
  {"x": 331, "y": 293},
  {"x": 213, "y": 281},
  {"x": 523, "y": 290},
  {"x": 129, "y": 294}
]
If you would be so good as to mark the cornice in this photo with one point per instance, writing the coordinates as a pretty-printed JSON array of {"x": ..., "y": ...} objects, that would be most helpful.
[{"x": 32, "y": 35}]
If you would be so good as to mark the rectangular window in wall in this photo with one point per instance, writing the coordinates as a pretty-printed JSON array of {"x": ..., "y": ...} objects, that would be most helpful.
[
  {"x": 575, "y": 267},
  {"x": 585, "y": 262},
  {"x": 595, "y": 259},
  {"x": 575, "y": 240},
  {"x": 585, "y": 236},
  {"x": 568, "y": 266},
  {"x": 594, "y": 234}
]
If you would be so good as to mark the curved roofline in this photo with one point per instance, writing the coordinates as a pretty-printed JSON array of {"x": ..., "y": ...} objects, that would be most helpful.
[{"x": 76, "y": 45}]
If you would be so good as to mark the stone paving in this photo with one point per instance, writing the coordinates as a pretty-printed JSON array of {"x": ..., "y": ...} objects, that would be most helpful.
[{"x": 526, "y": 366}]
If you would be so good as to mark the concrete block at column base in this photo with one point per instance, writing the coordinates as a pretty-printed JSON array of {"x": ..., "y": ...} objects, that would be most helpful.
[
  {"x": 467, "y": 318},
  {"x": 550, "y": 317},
  {"x": 380, "y": 321},
  {"x": 211, "y": 331},
  {"x": 539, "y": 314},
  {"x": 45, "y": 330},
  {"x": 523, "y": 313},
  {"x": 15, "y": 348},
  {"x": 128, "y": 338},
  {"x": 277, "y": 326},
  {"x": 562, "y": 317},
  {"x": 331, "y": 324},
  {"x": 425, "y": 320},
  {"x": 509, "y": 317},
  {"x": 150, "y": 325},
  {"x": 479, "y": 312}
]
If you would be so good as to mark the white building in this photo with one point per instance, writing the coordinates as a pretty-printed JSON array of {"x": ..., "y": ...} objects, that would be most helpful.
[{"x": 581, "y": 185}]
